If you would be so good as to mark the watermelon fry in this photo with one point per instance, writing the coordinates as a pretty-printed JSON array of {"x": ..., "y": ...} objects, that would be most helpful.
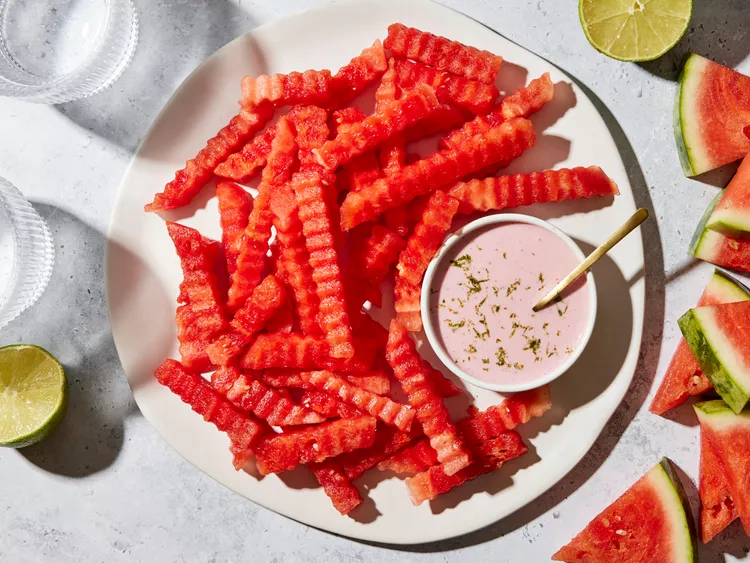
[
  {"x": 199, "y": 170},
  {"x": 408, "y": 367}
]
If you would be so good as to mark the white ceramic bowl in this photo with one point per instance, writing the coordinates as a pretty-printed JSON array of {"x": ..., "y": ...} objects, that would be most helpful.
[{"x": 434, "y": 338}]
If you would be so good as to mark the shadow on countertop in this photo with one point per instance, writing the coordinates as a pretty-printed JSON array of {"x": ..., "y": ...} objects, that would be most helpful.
[
  {"x": 70, "y": 320},
  {"x": 719, "y": 30},
  {"x": 639, "y": 388},
  {"x": 173, "y": 40}
]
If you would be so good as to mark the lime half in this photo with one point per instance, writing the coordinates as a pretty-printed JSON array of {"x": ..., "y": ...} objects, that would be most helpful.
[
  {"x": 634, "y": 30},
  {"x": 33, "y": 395}
]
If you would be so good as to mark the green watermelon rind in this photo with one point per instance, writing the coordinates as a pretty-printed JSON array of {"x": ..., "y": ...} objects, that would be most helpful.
[
  {"x": 698, "y": 247},
  {"x": 680, "y": 499},
  {"x": 705, "y": 352},
  {"x": 686, "y": 148},
  {"x": 714, "y": 408},
  {"x": 733, "y": 220},
  {"x": 732, "y": 290}
]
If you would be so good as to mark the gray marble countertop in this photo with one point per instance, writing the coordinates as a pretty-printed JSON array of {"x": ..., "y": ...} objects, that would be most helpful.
[{"x": 105, "y": 487}]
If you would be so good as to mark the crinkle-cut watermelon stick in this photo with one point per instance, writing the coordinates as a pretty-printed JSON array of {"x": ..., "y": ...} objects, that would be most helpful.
[
  {"x": 472, "y": 95},
  {"x": 328, "y": 405},
  {"x": 241, "y": 428},
  {"x": 409, "y": 369},
  {"x": 388, "y": 441},
  {"x": 344, "y": 496},
  {"x": 478, "y": 428},
  {"x": 408, "y": 297},
  {"x": 652, "y": 521},
  {"x": 683, "y": 377},
  {"x": 718, "y": 509},
  {"x": 373, "y": 381},
  {"x": 482, "y": 426},
  {"x": 247, "y": 162},
  {"x": 502, "y": 143},
  {"x": 358, "y": 74},
  {"x": 285, "y": 451},
  {"x": 199, "y": 170},
  {"x": 264, "y": 402},
  {"x": 296, "y": 351},
  {"x": 363, "y": 169},
  {"x": 489, "y": 457},
  {"x": 308, "y": 87},
  {"x": 375, "y": 129},
  {"x": 506, "y": 192},
  {"x": 428, "y": 235},
  {"x": 324, "y": 260},
  {"x": 296, "y": 259},
  {"x": 382, "y": 408},
  {"x": 442, "y": 53},
  {"x": 200, "y": 317},
  {"x": 264, "y": 301},
  {"x": 316, "y": 87},
  {"x": 235, "y": 205},
  {"x": 255, "y": 247},
  {"x": 524, "y": 102}
]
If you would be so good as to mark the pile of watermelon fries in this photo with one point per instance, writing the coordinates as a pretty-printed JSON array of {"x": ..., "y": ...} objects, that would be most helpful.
[{"x": 277, "y": 311}]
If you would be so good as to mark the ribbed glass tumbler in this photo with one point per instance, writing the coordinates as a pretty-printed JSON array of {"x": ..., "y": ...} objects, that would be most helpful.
[
  {"x": 26, "y": 253},
  {"x": 54, "y": 51}
]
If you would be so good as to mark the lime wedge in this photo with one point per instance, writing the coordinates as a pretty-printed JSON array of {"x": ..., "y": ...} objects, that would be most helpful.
[
  {"x": 634, "y": 30},
  {"x": 33, "y": 395}
]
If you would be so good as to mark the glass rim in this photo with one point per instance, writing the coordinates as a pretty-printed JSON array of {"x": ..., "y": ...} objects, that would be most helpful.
[{"x": 80, "y": 82}]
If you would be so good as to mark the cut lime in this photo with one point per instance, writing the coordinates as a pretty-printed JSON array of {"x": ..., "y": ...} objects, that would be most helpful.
[
  {"x": 33, "y": 395},
  {"x": 634, "y": 30}
]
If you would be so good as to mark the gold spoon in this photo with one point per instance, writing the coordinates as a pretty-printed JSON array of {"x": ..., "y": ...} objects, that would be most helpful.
[{"x": 629, "y": 226}]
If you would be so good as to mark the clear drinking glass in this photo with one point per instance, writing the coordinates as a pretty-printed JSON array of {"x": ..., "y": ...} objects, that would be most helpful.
[
  {"x": 26, "y": 253},
  {"x": 54, "y": 51}
]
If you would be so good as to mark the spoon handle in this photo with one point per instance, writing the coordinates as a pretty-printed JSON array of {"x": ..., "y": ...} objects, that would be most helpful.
[{"x": 629, "y": 226}]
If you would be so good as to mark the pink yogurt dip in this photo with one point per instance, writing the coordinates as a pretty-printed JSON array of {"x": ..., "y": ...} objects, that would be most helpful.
[{"x": 482, "y": 296}]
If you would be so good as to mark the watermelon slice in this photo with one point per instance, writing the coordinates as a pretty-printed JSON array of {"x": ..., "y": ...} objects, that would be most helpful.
[
  {"x": 717, "y": 336},
  {"x": 684, "y": 378},
  {"x": 650, "y": 522},
  {"x": 717, "y": 248},
  {"x": 729, "y": 434},
  {"x": 712, "y": 115},
  {"x": 732, "y": 214},
  {"x": 717, "y": 506}
]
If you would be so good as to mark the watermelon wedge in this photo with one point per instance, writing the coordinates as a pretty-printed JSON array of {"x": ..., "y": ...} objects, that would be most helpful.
[
  {"x": 717, "y": 506},
  {"x": 683, "y": 377},
  {"x": 712, "y": 115},
  {"x": 732, "y": 214},
  {"x": 650, "y": 522},
  {"x": 717, "y": 248},
  {"x": 729, "y": 434},
  {"x": 718, "y": 337}
]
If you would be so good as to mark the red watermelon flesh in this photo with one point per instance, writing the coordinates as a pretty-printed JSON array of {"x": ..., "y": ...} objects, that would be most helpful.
[
  {"x": 717, "y": 507},
  {"x": 717, "y": 248},
  {"x": 684, "y": 378},
  {"x": 729, "y": 434},
  {"x": 712, "y": 115},
  {"x": 650, "y": 522},
  {"x": 732, "y": 214}
]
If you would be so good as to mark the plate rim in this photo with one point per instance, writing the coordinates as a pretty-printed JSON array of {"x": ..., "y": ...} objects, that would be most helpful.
[{"x": 361, "y": 533}]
